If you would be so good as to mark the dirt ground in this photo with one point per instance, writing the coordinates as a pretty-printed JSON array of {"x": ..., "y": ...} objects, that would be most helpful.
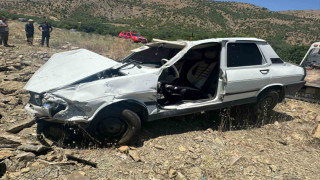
[{"x": 200, "y": 146}]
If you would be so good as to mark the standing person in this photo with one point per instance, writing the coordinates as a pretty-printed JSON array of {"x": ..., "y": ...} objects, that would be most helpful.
[
  {"x": 46, "y": 29},
  {"x": 4, "y": 32},
  {"x": 29, "y": 28}
]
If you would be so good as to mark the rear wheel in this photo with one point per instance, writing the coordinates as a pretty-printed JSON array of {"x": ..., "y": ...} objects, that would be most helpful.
[
  {"x": 117, "y": 126},
  {"x": 266, "y": 102}
]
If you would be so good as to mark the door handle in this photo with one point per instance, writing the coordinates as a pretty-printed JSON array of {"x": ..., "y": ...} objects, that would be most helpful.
[{"x": 264, "y": 71}]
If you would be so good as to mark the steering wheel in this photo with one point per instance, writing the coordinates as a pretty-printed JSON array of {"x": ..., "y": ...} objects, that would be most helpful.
[{"x": 177, "y": 74}]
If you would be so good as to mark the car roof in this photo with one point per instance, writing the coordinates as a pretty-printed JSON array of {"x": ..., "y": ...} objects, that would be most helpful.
[
  {"x": 316, "y": 43},
  {"x": 128, "y": 32},
  {"x": 212, "y": 40}
]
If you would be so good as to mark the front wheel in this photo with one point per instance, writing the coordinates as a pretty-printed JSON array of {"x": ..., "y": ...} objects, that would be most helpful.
[{"x": 117, "y": 126}]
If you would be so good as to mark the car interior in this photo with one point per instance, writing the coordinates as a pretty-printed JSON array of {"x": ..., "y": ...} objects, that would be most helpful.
[
  {"x": 152, "y": 56},
  {"x": 194, "y": 77}
]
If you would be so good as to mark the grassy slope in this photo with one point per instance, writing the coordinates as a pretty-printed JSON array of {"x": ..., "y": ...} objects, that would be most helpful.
[
  {"x": 109, "y": 46},
  {"x": 290, "y": 35}
]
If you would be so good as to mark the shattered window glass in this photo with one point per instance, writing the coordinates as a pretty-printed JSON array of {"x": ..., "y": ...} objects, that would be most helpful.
[{"x": 154, "y": 55}]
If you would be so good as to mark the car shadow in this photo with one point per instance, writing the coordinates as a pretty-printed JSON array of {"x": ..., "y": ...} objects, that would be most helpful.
[{"x": 228, "y": 119}]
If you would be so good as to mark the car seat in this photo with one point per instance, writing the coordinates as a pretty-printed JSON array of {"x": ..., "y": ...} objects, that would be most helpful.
[{"x": 197, "y": 76}]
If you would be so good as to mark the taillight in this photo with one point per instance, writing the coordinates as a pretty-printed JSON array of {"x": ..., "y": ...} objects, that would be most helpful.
[{"x": 305, "y": 73}]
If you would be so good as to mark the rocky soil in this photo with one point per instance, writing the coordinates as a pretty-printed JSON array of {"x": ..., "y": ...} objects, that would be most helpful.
[{"x": 201, "y": 146}]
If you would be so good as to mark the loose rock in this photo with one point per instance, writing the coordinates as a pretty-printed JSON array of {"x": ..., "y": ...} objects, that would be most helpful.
[
  {"x": 10, "y": 87},
  {"x": 135, "y": 155},
  {"x": 5, "y": 154},
  {"x": 172, "y": 173},
  {"x": 77, "y": 176},
  {"x": 182, "y": 149},
  {"x": 33, "y": 148},
  {"x": 24, "y": 170},
  {"x": 180, "y": 176},
  {"x": 159, "y": 147},
  {"x": 124, "y": 148},
  {"x": 18, "y": 127},
  {"x": 9, "y": 141},
  {"x": 28, "y": 156},
  {"x": 316, "y": 132}
]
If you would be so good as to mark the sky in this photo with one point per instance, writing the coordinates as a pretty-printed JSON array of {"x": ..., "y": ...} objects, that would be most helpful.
[{"x": 283, "y": 5}]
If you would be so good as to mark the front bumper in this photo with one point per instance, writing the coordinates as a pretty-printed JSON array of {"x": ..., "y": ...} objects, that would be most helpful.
[{"x": 68, "y": 115}]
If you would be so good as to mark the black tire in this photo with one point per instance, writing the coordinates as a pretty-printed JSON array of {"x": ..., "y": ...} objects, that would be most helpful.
[
  {"x": 118, "y": 126},
  {"x": 266, "y": 102}
]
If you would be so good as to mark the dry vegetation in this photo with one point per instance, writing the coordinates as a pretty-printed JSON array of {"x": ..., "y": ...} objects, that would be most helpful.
[
  {"x": 61, "y": 39},
  {"x": 311, "y": 14}
]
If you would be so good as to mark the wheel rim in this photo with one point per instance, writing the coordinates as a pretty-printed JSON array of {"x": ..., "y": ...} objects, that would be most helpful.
[{"x": 112, "y": 127}]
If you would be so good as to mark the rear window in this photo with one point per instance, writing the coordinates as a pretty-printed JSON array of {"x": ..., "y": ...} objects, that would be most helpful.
[
  {"x": 276, "y": 60},
  {"x": 243, "y": 54}
]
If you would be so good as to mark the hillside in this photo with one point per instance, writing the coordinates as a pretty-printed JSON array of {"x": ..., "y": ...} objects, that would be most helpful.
[
  {"x": 172, "y": 19},
  {"x": 200, "y": 146},
  {"x": 312, "y": 14}
]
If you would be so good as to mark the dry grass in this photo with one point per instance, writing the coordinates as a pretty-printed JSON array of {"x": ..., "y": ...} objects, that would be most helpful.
[{"x": 112, "y": 47}]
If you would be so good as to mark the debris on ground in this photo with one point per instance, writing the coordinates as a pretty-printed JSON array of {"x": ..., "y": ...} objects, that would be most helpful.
[
  {"x": 134, "y": 155},
  {"x": 77, "y": 176},
  {"x": 18, "y": 127},
  {"x": 124, "y": 148},
  {"x": 34, "y": 148},
  {"x": 80, "y": 160},
  {"x": 316, "y": 132}
]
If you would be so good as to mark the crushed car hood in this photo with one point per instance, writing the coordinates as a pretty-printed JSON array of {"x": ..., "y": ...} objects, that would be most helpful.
[{"x": 66, "y": 68}]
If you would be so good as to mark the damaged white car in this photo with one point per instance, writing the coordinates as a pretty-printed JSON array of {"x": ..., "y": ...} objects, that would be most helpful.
[{"x": 162, "y": 79}]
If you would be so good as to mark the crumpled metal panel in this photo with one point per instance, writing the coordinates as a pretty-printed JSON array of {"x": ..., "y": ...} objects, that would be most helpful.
[
  {"x": 67, "y": 67},
  {"x": 93, "y": 96}
]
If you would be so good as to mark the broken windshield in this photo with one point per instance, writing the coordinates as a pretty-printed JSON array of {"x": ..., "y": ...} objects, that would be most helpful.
[{"x": 152, "y": 55}]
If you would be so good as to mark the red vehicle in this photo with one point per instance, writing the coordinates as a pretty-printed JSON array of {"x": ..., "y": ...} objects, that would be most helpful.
[{"x": 135, "y": 37}]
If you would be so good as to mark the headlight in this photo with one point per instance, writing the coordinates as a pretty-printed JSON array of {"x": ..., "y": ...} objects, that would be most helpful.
[
  {"x": 54, "y": 108},
  {"x": 36, "y": 99}
]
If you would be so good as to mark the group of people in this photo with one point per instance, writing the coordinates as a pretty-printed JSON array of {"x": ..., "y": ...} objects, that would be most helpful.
[{"x": 45, "y": 29}]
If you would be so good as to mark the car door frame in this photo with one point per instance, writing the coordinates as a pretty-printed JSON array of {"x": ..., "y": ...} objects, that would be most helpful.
[{"x": 197, "y": 103}]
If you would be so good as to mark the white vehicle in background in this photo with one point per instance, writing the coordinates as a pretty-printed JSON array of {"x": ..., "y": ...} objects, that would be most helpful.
[
  {"x": 311, "y": 62},
  {"x": 159, "y": 80},
  {"x": 312, "y": 56}
]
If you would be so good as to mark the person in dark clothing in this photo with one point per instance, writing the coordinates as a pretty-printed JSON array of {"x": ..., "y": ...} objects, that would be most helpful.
[
  {"x": 46, "y": 29},
  {"x": 29, "y": 28},
  {"x": 4, "y": 32}
]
